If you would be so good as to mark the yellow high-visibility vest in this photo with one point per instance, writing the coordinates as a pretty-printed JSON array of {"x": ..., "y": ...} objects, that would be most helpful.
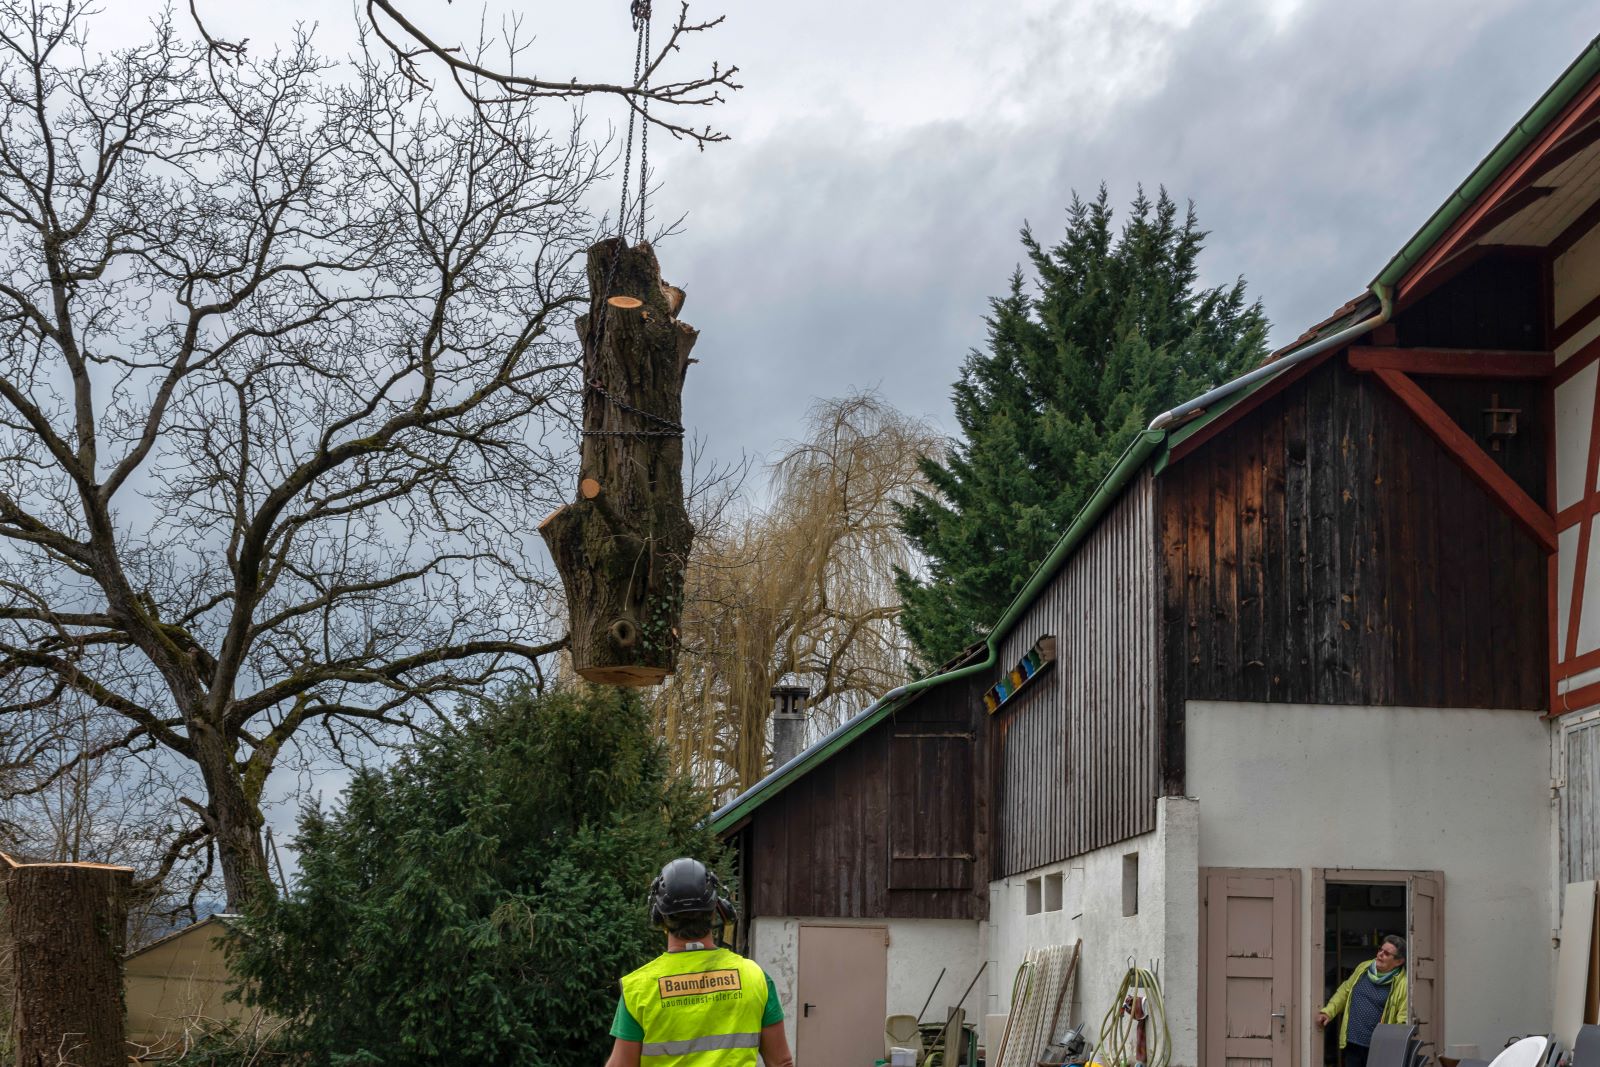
[{"x": 698, "y": 1009}]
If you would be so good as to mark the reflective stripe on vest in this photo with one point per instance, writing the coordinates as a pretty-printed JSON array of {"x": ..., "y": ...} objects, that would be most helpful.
[
  {"x": 698, "y": 1009},
  {"x": 710, "y": 1043}
]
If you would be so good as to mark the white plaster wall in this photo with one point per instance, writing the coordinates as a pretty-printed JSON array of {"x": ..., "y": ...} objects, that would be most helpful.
[
  {"x": 1466, "y": 792},
  {"x": 918, "y": 948},
  {"x": 1163, "y": 931}
]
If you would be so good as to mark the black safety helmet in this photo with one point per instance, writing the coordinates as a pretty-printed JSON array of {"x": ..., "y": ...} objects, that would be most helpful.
[{"x": 686, "y": 888}]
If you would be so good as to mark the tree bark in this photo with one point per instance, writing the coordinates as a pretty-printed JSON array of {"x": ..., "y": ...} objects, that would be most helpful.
[
  {"x": 65, "y": 925},
  {"x": 622, "y": 552},
  {"x": 233, "y": 818}
]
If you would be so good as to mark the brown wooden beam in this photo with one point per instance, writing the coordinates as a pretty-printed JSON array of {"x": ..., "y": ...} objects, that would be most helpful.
[
  {"x": 1578, "y": 113},
  {"x": 1500, "y": 486},
  {"x": 1563, "y": 151},
  {"x": 1576, "y": 231},
  {"x": 1505, "y": 211},
  {"x": 1455, "y": 362}
]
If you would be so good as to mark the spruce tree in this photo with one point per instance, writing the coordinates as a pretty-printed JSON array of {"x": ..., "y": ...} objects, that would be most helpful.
[
  {"x": 1113, "y": 330},
  {"x": 476, "y": 902}
]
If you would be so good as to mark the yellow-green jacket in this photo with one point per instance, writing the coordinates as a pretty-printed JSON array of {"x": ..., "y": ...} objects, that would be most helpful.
[
  {"x": 698, "y": 1009},
  {"x": 1394, "y": 1009}
]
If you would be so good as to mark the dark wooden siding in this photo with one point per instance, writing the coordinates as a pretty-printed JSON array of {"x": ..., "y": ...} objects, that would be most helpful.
[
  {"x": 894, "y": 825},
  {"x": 1326, "y": 550},
  {"x": 1496, "y": 302},
  {"x": 1076, "y": 753}
]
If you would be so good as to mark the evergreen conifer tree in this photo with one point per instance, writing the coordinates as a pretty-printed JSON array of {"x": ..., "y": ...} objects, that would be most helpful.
[
  {"x": 476, "y": 902},
  {"x": 1114, "y": 330}
]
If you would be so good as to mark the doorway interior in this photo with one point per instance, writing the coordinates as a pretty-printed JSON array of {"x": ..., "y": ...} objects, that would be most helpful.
[{"x": 1356, "y": 917}]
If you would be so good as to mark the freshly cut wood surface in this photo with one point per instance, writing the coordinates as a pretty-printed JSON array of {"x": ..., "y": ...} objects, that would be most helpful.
[{"x": 622, "y": 547}]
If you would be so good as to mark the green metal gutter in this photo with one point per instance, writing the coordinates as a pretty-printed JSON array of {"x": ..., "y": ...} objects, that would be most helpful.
[
  {"x": 1133, "y": 458},
  {"x": 1557, "y": 97}
]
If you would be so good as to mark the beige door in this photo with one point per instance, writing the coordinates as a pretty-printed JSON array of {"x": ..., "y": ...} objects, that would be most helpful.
[
  {"x": 844, "y": 982},
  {"x": 1249, "y": 1008},
  {"x": 1424, "y": 938}
]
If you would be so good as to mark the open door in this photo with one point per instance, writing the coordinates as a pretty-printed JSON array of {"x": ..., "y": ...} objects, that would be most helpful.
[
  {"x": 1424, "y": 939},
  {"x": 1250, "y": 936}
]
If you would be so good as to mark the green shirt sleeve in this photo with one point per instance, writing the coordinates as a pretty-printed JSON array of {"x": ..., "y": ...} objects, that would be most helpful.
[
  {"x": 626, "y": 1027},
  {"x": 774, "y": 1009}
]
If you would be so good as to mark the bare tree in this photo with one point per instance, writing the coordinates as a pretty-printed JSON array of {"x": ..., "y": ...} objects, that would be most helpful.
[
  {"x": 279, "y": 345},
  {"x": 486, "y": 73},
  {"x": 487, "y": 83},
  {"x": 802, "y": 587}
]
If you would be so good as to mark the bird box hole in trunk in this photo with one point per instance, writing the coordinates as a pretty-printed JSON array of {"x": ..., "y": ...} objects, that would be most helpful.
[{"x": 621, "y": 547}]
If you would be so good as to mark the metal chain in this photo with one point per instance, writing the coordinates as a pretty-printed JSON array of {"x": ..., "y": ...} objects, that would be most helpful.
[
  {"x": 672, "y": 428},
  {"x": 640, "y": 12},
  {"x": 597, "y": 328},
  {"x": 641, "y": 20},
  {"x": 627, "y": 154}
]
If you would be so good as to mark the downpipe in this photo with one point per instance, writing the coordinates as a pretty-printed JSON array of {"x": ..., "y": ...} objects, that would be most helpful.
[{"x": 1176, "y": 415}]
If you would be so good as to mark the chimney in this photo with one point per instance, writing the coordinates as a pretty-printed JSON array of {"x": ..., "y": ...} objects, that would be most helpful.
[{"x": 788, "y": 722}]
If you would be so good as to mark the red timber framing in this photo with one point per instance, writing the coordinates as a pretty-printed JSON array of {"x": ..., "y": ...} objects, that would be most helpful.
[
  {"x": 1455, "y": 362},
  {"x": 1510, "y": 188},
  {"x": 1474, "y": 461},
  {"x": 1564, "y": 651},
  {"x": 1571, "y": 132}
]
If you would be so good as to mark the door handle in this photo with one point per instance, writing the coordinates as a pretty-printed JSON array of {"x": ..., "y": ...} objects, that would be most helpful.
[
  {"x": 807, "y": 1012},
  {"x": 1282, "y": 1017}
]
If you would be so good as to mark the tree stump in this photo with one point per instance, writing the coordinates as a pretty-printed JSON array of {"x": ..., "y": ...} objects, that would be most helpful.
[
  {"x": 65, "y": 925},
  {"x": 622, "y": 546}
]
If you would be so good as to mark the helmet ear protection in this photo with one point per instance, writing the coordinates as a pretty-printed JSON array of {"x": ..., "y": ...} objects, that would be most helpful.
[{"x": 686, "y": 887}]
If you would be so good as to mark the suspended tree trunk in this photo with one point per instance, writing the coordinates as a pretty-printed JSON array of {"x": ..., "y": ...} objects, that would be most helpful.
[
  {"x": 622, "y": 547},
  {"x": 65, "y": 927}
]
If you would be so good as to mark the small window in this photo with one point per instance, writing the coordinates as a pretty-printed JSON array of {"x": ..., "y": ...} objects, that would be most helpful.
[
  {"x": 1035, "y": 895},
  {"x": 1130, "y": 883},
  {"x": 1052, "y": 892}
]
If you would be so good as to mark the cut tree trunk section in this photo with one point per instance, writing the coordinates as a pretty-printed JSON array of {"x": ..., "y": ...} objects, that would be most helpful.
[
  {"x": 621, "y": 548},
  {"x": 64, "y": 925}
]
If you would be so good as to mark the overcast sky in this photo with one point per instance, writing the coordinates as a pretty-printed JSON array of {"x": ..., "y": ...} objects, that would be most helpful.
[{"x": 886, "y": 153}]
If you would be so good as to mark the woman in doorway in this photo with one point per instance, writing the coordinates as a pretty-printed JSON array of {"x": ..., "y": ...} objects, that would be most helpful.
[{"x": 1374, "y": 993}]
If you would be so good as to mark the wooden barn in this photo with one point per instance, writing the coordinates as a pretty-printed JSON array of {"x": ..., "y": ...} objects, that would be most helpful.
[{"x": 1295, "y": 678}]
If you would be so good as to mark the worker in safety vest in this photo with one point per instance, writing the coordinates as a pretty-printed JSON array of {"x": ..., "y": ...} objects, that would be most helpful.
[{"x": 696, "y": 1005}]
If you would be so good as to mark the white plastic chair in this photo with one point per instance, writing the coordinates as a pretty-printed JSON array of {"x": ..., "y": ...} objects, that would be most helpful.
[{"x": 1529, "y": 1052}]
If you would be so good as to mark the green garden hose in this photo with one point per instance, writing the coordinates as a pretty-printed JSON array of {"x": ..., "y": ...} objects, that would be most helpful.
[{"x": 1119, "y": 1031}]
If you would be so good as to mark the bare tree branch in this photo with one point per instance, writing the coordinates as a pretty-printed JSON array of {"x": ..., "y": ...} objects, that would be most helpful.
[
  {"x": 287, "y": 375},
  {"x": 483, "y": 84}
]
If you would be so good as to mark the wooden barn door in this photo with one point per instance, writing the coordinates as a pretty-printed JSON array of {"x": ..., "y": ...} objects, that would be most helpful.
[
  {"x": 1249, "y": 967},
  {"x": 844, "y": 992},
  {"x": 1424, "y": 939}
]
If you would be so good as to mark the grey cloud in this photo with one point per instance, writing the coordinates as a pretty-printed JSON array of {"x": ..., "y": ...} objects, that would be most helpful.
[{"x": 825, "y": 255}]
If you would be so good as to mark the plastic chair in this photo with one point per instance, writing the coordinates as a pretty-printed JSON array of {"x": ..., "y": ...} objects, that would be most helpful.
[
  {"x": 1392, "y": 1045},
  {"x": 900, "y": 1031},
  {"x": 1586, "y": 1050},
  {"x": 1529, "y": 1052}
]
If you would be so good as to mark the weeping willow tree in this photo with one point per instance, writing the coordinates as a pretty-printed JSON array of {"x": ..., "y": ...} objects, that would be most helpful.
[{"x": 799, "y": 589}]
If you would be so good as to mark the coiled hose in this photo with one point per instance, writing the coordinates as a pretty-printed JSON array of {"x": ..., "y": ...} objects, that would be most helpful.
[{"x": 1118, "y": 1045}]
